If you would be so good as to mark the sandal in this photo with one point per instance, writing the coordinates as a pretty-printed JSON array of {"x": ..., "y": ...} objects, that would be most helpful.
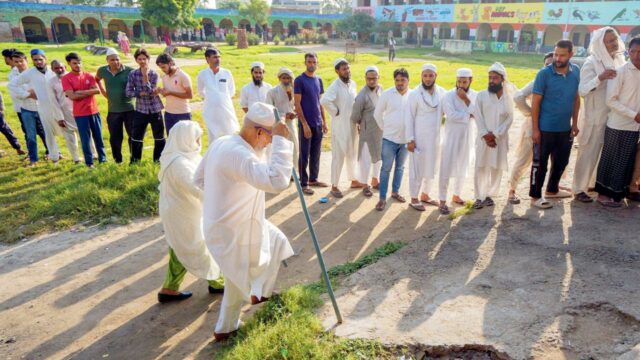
[
  {"x": 380, "y": 205},
  {"x": 358, "y": 186},
  {"x": 367, "y": 192},
  {"x": 444, "y": 209},
  {"x": 514, "y": 199},
  {"x": 317, "y": 184},
  {"x": 461, "y": 202},
  {"x": 307, "y": 190},
  {"x": 336, "y": 194},
  {"x": 430, "y": 202},
  {"x": 542, "y": 203},
  {"x": 610, "y": 203},
  {"x": 488, "y": 202},
  {"x": 478, "y": 204},
  {"x": 583, "y": 197},
  {"x": 399, "y": 198},
  {"x": 418, "y": 206}
]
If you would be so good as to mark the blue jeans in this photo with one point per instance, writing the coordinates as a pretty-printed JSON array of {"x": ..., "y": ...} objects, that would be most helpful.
[
  {"x": 392, "y": 152},
  {"x": 171, "y": 119},
  {"x": 30, "y": 120},
  {"x": 90, "y": 126}
]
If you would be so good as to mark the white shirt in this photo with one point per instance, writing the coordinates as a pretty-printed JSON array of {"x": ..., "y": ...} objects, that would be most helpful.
[
  {"x": 64, "y": 108},
  {"x": 221, "y": 82},
  {"x": 39, "y": 82},
  {"x": 389, "y": 115},
  {"x": 250, "y": 94},
  {"x": 27, "y": 104},
  {"x": 623, "y": 98}
]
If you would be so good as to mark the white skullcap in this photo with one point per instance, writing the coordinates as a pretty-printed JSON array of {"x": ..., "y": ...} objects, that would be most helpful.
[
  {"x": 498, "y": 68},
  {"x": 257, "y": 64},
  {"x": 261, "y": 114},
  {"x": 371, "y": 68},
  {"x": 340, "y": 61},
  {"x": 285, "y": 71},
  {"x": 429, "y": 67},
  {"x": 464, "y": 72},
  {"x": 111, "y": 51}
]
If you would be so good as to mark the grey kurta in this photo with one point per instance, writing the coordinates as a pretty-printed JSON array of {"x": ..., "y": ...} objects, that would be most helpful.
[
  {"x": 362, "y": 114},
  {"x": 278, "y": 97}
]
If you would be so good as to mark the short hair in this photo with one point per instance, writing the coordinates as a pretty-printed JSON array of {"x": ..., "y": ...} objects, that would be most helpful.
[
  {"x": 338, "y": 65},
  {"x": 634, "y": 41},
  {"x": 310, "y": 55},
  {"x": 55, "y": 61},
  {"x": 18, "y": 54},
  {"x": 211, "y": 51},
  {"x": 72, "y": 56},
  {"x": 164, "y": 59},
  {"x": 565, "y": 44},
  {"x": 141, "y": 51},
  {"x": 547, "y": 55},
  {"x": 8, "y": 52},
  {"x": 401, "y": 72}
]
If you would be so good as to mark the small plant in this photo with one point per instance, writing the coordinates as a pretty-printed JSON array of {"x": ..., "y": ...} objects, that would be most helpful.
[
  {"x": 253, "y": 39},
  {"x": 323, "y": 38},
  {"x": 231, "y": 38},
  {"x": 276, "y": 40}
]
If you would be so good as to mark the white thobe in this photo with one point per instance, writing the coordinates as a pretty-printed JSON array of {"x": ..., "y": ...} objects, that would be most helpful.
[
  {"x": 422, "y": 125},
  {"x": 623, "y": 98},
  {"x": 456, "y": 145},
  {"x": 338, "y": 101},
  {"x": 27, "y": 104},
  {"x": 524, "y": 150},
  {"x": 218, "y": 112},
  {"x": 246, "y": 246},
  {"x": 492, "y": 115},
  {"x": 251, "y": 94},
  {"x": 39, "y": 82}
]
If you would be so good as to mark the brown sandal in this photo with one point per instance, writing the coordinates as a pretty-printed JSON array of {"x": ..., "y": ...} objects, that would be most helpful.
[
  {"x": 307, "y": 190},
  {"x": 399, "y": 198},
  {"x": 444, "y": 209},
  {"x": 367, "y": 192},
  {"x": 381, "y": 205},
  {"x": 418, "y": 206},
  {"x": 317, "y": 184}
]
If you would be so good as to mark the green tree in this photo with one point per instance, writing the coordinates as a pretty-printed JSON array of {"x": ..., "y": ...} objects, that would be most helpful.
[
  {"x": 358, "y": 22},
  {"x": 170, "y": 13},
  {"x": 229, "y": 4},
  {"x": 256, "y": 10},
  {"x": 336, "y": 7}
]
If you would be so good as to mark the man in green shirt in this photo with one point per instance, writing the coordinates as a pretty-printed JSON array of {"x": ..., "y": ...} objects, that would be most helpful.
[{"x": 121, "y": 110}]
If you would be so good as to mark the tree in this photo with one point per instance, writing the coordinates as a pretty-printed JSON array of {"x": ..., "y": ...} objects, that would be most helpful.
[
  {"x": 256, "y": 10},
  {"x": 229, "y": 4},
  {"x": 336, "y": 7},
  {"x": 170, "y": 14},
  {"x": 359, "y": 22}
]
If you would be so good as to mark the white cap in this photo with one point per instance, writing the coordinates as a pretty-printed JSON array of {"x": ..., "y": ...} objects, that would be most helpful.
[
  {"x": 111, "y": 51},
  {"x": 498, "y": 68},
  {"x": 339, "y": 61},
  {"x": 285, "y": 71},
  {"x": 464, "y": 72},
  {"x": 257, "y": 64},
  {"x": 371, "y": 68},
  {"x": 429, "y": 67},
  {"x": 261, "y": 114}
]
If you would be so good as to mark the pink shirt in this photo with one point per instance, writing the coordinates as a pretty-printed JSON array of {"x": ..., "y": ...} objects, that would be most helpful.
[{"x": 178, "y": 82}]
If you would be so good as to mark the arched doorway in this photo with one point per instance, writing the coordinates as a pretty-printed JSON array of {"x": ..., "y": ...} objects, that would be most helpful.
[
  {"x": 226, "y": 24},
  {"x": 552, "y": 34},
  {"x": 90, "y": 27},
  {"x": 293, "y": 28},
  {"x": 412, "y": 34},
  {"x": 63, "y": 30},
  {"x": 483, "y": 33},
  {"x": 114, "y": 26},
  {"x": 277, "y": 28},
  {"x": 308, "y": 25},
  {"x": 580, "y": 36},
  {"x": 462, "y": 32},
  {"x": 34, "y": 30},
  {"x": 505, "y": 33},
  {"x": 427, "y": 34},
  {"x": 244, "y": 24},
  {"x": 444, "y": 33},
  {"x": 328, "y": 28},
  {"x": 209, "y": 27},
  {"x": 140, "y": 27},
  {"x": 527, "y": 40}
]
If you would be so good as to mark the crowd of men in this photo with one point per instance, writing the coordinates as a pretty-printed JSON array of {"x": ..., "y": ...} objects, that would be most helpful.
[{"x": 213, "y": 207}]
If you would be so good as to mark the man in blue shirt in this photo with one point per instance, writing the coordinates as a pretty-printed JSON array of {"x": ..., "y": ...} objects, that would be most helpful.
[
  {"x": 307, "y": 89},
  {"x": 554, "y": 112}
]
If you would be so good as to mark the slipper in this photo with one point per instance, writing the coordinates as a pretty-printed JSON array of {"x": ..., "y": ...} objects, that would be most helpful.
[
  {"x": 444, "y": 209},
  {"x": 542, "y": 203},
  {"x": 317, "y": 184},
  {"x": 336, "y": 194},
  {"x": 478, "y": 204},
  {"x": 399, "y": 198},
  {"x": 430, "y": 202},
  {"x": 610, "y": 203},
  {"x": 307, "y": 190},
  {"x": 461, "y": 202},
  {"x": 558, "y": 195},
  {"x": 583, "y": 197},
  {"x": 380, "y": 205},
  {"x": 418, "y": 207},
  {"x": 367, "y": 192},
  {"x": 514, "y": 199},
  {"x": 634, "y": 196}
]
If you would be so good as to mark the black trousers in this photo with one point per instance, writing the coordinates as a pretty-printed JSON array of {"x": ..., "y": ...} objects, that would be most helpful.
[
  {"x": 5, "y": 129},
  {"x": 116, "y": 122},
  {"x": 554, "y": 145},
  {"x": 309, "y": 154},
  {"x": 138, "y": 130},
  {"x": 39, "y": 131}
]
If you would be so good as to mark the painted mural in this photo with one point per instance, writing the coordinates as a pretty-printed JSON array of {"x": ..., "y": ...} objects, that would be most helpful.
[
  {"x": 415, "y": 13},
  {"x": 499, "y": 13},
  {"x": 614, "y": 13}
]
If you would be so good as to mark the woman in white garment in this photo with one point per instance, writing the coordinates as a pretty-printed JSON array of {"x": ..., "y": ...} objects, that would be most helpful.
[{"x": 180, "y": 209}]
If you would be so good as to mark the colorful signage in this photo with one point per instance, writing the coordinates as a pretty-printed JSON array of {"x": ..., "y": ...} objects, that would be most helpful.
[
  {"x": 579, "y": 13},
  {"x": 499, "y": 13},
  {"x": 415, "y": 13}
]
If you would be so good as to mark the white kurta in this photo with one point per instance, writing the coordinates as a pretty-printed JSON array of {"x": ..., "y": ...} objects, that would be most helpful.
[
  {"x": 458, "y": 129},
  {"x": 524, "y": 150},
  {"x": 63, "y": 110},
  {"x": 218, "y": 111},
  {"x": 28, "y": 104},
  {"x": 493, "y": 115},
  {"x": 278, "y": 97},
  {"x": 422, "y": 125},
  {"x": 338, "y": 100},
  {"x": 251, "y": 94},
  {"x": 180, "y": 209}
]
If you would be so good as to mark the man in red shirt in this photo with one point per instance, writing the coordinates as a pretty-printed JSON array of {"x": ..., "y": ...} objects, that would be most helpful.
[{"x": 81, "y": 87}]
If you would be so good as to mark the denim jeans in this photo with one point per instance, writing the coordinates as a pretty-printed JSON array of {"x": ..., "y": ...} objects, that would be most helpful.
[
  {"x": 30, "y": 120},
  {"x": 392, "y": 152},
  {"x": 90, "y": 126}
]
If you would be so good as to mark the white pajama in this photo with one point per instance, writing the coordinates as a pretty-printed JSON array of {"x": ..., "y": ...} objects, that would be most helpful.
[
  {"x": 367, "y": 169},
  {"x": 458, "y": 183},
  {"x": 486, "y": 182}
]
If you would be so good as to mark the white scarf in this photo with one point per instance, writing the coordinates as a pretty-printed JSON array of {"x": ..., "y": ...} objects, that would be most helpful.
[
  {"x": 182, "y": 142},
  {"x": 597, "y": 49}
]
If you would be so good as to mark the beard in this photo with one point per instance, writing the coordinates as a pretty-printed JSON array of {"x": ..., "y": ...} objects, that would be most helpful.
[
  {"x": 428, "y": 87},
  {"x": 257, "y": 82},
  {"x": 345, "y": 79},
  {"x": 494, "y": 88},
  {"x": 372, "y": 88},
  {"x": 463, "y": 88},
  {"x": 560, "y": 65}
]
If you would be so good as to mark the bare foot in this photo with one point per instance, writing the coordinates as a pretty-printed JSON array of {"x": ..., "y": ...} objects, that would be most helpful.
[
  {"x": 457, "y": 200},
  {"x": 355, "y": 184},
  {"x": 375, "y": 183}
]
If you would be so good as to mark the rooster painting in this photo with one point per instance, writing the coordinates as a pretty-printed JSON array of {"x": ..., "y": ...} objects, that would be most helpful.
[{"x": 555, "y": 14}]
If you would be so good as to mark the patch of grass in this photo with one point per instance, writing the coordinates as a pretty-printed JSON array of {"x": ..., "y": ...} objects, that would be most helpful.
[
  {"x": 283, "y": 49},
  {"x": 353, "y": 266}
]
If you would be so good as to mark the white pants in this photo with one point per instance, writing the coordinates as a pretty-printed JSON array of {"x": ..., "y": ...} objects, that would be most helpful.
[
  {"x": 522, "y": 164},
  {"x": 458, "y": 182},
  {"x": 366, "y": 169},
  {"x": 415, "y": 185},
  {"x": 584, "y": 173},
  {"x": 337, "y": 161},
  {"x": 50, "y": 128},
  {"x": 486, "y": 182},
  {"x": 293, "y": 137}
]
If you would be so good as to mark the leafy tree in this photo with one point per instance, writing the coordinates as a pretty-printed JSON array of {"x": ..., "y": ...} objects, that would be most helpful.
[
  {"x": 229, "y": 4},
  {"x": 256, "y": 10},
  {"x": 170, "y": 13},
  {"x": 358, "y": 22},
  {"x": 336, "y": 7}
]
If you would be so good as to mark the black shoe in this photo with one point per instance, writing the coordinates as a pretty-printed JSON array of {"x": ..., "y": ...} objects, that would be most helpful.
[
  {"x": 164, "y": 298},
  {"x": 213, "y": 290}
]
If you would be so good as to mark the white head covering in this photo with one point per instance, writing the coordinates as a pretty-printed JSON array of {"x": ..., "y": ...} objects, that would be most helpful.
[
  {"x": 257, "y": 64},
  {"x": 499, "y": 68},
  {"x": 111, "y": 51},
  {"x": 464, "y": 72},
  {"x": 598, "y": 50},
  {"x": 261, "y": 114},
  {"x": 371, "y": 68},
  {"x": 340, "y": 60},
  {"x": 429, "y": 67},
  {"x": 284, "y": 71},
  {"x": 182, "y": 142}
]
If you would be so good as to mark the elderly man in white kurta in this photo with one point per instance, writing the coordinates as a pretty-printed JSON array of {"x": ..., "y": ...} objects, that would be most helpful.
[
  {"x": 338, "y": 100},
  {"x": 458, "y": 106},
  {"x": 235, "y": 174},
  {"x": 494, "y": 116},
  {"x": 256, "y": 90},
  {"x": 423, "y": 122},
  {"x": 281, "y": 97},
  {"x": 216, "y": 86},
  {"x": 606, "y": 53}
]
